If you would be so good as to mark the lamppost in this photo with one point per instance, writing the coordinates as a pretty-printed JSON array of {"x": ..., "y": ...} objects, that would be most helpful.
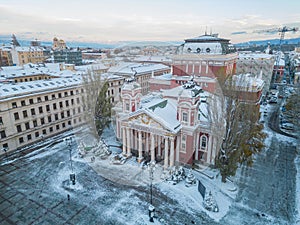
[
  {"x": 5, "y": 150},
  {"x": 151, "y": 208},
  {"x": 69, "y": 142}
]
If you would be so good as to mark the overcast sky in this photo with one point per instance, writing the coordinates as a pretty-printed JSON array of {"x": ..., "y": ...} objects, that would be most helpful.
[{"x": 139, "y": 20}]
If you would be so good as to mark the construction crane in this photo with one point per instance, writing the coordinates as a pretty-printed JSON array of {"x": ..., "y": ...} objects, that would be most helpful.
[{"x": 281, "y": 31}]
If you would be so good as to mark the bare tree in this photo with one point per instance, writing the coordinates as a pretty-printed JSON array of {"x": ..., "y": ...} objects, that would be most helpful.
[
  {"x": 243, "y": 136},
  {"x": 96, "y": 102}
]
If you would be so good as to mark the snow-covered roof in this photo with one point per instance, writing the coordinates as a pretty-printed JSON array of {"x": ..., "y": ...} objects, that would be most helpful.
[
  {"x": 152, "y": 58},
  {"x": 29, "y": 49},
  {"x": 21, "y": 89},
  {"x": 206, "y": 38},
  {"x": 161, "y": 110},
  {"x": 243, "y": 55},
  {"x": 183, "y": 91},
  {"x": 95, "y": 66},
  {"x": 51, "y": 69},
  {"x": 247, "y": 82},
  {"x": 139, "y": 68}
]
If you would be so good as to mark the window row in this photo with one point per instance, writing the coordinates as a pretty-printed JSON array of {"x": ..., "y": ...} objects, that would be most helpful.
[
  {"x": 44, "y": 98},
  {"x": 49, "y": 130},
  {"x": 46, "y": 108},
  {"x": 50, "y": 118}
]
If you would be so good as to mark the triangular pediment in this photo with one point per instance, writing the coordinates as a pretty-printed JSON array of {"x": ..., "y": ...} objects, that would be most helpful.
[{"x": 146, "y": 120}]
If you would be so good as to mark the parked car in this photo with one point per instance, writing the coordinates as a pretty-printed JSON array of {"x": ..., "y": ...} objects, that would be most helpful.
[{"x": 287, "y": 126}]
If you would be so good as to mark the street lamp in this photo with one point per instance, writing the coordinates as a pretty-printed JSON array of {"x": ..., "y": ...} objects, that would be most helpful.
[
  {"x": 151, "y": 208},
  {"x": 69, "y": 142},
  {"x": 5, "y": 150}
]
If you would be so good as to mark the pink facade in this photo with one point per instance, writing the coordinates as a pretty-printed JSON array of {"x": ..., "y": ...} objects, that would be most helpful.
[{"x": 156, "y": 129}]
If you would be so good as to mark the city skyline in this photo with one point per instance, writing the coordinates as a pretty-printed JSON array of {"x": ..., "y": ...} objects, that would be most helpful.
[{"x": 113, "y": 21}]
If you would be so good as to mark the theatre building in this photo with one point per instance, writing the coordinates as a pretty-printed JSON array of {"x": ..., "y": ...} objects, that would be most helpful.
[{"x": 172, "y": 127}]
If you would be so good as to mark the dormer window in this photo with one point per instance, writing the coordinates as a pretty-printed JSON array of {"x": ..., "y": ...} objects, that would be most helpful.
[
  {"x": 208, "y": 50},
  {"x": 189, "y": 49},
  {"x": 198, "y": 50}
]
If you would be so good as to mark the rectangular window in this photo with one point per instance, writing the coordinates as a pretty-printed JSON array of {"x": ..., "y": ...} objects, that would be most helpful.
[
  {"x": 79, "y": 110},
  {"x": 184, "y": 117},
  {"x": 40, "y": 109},
  {"x": 50, "y": 129},
  {"x": 25, "y": 115},
  {"x": 44, "y": 131},
  {"x": 27, "y": 125},
  {"x": 78, "y": 101},
  {"x": 71, "y": 92},
  {"x": 74, "y": 121},
  {"x": 66, "y": 93},
  {"x": 21, "y": 140},
  {"x": 56, "y": 116},
  {"x": 47, "y": 108},
  {"x": 46, "y": 98},
  {"x": 14, "y": 105},
  {"x": 34, "y": 123},
  {"x": 32, "y": 111},
  {"x": 63, "y": 125},
  {"x": 37, "y": 134},
  {"x": 62, "y": 115},
  {"x": 23, "y": 103},
  {"x": 59, "y": 95},
  {"x": 19, "y": 128},
  {"x": 1, "y": 121},
  {"x": 57, "y": 127},
  {"x": 53, "y": 96},
  {"x": 42, "y": 121},
  {"x": 54, "y": 106},
  {"x": 72, "y": 101},
  {"x": 31, "y": 101},
  {"x": 2, "y": 134},
  {"x": 39, "y": 99},
  {"x": 69, "y": 122},
  {"x": 16, "y": 115},
  {"x": 29, "y": 137},
  {"x": 67, "y": 103},
  {"x": 49, "y": 119},
  {"x": 60, "y": 104},
  {"x": 68, "y": 113}
]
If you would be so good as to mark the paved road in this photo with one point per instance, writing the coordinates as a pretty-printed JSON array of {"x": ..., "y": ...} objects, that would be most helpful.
[{"x": 34, "y": 189}]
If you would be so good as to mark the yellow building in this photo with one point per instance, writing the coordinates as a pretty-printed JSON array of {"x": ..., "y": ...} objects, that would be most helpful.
[
  {"x": 24, "y": 55},
  {"x": 58, "y": 44},
  {"x": 5, "y": 56}
]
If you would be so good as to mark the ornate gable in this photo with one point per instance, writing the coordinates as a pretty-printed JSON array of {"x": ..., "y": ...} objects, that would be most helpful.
[{"x": 146, "y": 120}]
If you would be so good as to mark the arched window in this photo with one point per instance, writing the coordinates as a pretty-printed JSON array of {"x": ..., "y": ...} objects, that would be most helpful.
[
  {"x": 189, "y": 49},
  {"x": 203, "y": 142},
  {"x": 198, "y": 50}
]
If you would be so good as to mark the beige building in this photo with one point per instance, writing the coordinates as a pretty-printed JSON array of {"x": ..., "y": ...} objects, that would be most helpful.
[
  {"x": 258, "y": 64},
  {"x": 24, "y": 55},
  {"x": 5, "y": 56},
  {"x": 31, "y": 111},
  {"x": 142, "y": 72}
]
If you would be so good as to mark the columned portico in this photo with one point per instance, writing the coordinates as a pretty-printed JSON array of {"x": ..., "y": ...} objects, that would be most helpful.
[
  {"x": 124, "y": 140},
  {"x": 152, "y": 148}
]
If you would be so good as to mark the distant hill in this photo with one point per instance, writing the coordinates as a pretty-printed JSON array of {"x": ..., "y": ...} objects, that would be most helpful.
[
  {"x": 293, "y": 41},
  {"x": 7, "y": 39}
]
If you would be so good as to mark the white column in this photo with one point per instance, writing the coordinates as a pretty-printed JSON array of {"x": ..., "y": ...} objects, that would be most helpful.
[
  {"x": 152, "y": 148},
  {"x": 128, "y": 142},
  {"x": 172, "y": 152},
  {"x": 140, "y": 147},
  {"x": 147, "y": 142},
  {"x": 206, "y": 71},
  {"x": 197, "y": 146},
  {"x": 158, "y": 146},
  {"x": 209, "y": 149},
  {"x": 124, "y": 140},
  {"x": 177, "y": 149},
  {"x": 166, "y": 161}
]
